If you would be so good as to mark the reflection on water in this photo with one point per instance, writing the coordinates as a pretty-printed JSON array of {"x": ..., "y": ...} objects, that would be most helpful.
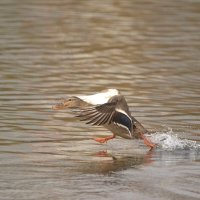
[
  {"x": 53, "y": 49},
  {"x": 106, "y": 163}
]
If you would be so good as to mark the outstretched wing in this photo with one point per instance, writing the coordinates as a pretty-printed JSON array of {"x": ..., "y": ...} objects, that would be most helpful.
[{"x": 98, "y": 115}]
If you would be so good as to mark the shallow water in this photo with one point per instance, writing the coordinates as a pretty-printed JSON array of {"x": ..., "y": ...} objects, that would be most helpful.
[{"x": 149, "y": 50}]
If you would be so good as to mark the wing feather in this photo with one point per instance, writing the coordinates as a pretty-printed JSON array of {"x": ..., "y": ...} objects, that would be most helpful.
[{"x": 98, "y": 115}]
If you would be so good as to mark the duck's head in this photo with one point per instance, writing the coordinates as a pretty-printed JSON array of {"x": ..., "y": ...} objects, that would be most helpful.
[{"x": 71, "y": 102}]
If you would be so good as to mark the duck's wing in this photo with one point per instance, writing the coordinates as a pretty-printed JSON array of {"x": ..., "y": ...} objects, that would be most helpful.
[
  {"x": 98, "y": 115},
  {"x": 115, "y": 111}
]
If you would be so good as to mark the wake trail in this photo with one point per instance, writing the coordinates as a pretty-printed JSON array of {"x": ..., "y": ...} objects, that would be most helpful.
[{"x": 170, "y": 141}]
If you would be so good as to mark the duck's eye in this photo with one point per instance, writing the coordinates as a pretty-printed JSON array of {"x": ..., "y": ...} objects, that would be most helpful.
[{"x": 69, "y": 99}]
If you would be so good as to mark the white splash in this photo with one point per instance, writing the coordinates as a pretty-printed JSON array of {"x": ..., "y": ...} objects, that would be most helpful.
[
  {"x": 99, "y": 98},
  {"x": 170, "y": 141}
]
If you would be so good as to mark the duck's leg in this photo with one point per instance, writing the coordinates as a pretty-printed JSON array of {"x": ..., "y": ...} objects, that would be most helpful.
[
  {"x": 103, "y": 140},
  {"x": 148, "y": 142}
]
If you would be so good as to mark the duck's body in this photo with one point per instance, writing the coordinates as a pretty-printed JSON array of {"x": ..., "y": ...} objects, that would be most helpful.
[{"x": 109, "y": 109}]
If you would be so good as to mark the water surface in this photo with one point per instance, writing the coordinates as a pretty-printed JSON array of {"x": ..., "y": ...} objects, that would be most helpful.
[{"x": 149, "y": 50}]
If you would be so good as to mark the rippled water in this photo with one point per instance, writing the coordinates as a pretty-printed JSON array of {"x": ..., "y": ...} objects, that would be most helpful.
[{"x": 149, "y": 50}]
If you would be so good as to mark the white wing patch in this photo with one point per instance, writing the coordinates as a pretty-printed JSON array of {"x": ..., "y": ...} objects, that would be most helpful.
[{"x": 99, "y": 98}]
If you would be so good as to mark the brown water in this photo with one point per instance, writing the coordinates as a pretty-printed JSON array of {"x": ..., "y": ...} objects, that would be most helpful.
[{"x": 149, "y": 50}]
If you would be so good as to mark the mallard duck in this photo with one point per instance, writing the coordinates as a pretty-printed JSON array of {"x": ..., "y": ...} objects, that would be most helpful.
[{"x": 109, "y": 109}]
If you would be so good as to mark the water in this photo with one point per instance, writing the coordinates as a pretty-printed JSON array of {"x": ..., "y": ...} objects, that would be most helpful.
[{"x": 149, "y": 50}]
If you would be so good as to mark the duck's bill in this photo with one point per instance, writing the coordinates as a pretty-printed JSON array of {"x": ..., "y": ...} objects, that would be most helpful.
[
  {"x": 62, "y": 104},
  {"x": 58, "y": 106}
]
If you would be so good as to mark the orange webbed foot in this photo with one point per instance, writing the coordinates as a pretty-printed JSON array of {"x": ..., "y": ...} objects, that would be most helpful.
[
  {"x": 148, "y": 142},
  {"x": 103, "y": 140}
]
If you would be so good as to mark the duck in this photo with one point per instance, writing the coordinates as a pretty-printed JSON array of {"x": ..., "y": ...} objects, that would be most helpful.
[{"x": 107, "y": 108}]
